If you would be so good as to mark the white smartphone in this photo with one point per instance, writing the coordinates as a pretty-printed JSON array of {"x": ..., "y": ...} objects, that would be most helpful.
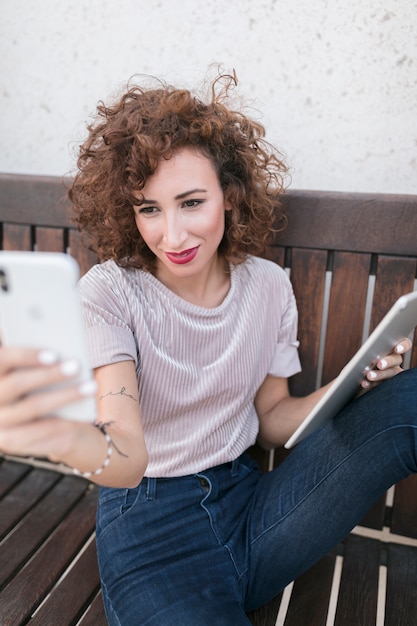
[{"x": 40, "y": 308}]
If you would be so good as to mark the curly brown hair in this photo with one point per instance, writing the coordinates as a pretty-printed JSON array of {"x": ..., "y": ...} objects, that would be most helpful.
[{"x": 126, "y": 142}]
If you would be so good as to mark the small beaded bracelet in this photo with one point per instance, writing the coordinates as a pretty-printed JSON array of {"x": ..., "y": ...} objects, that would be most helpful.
[{"x": 106, "y": 460}]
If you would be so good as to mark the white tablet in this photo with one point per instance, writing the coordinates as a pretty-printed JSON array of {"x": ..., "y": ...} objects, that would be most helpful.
[{"x": 398, "y": 323}]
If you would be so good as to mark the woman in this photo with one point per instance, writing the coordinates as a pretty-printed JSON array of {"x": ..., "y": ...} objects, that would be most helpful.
[{"x": 192, "y": 338}]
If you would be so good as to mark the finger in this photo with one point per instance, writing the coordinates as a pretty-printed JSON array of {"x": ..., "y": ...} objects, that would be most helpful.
[
  {"x": 32, "y": 407},
  {"x": 389, "y": 361},
  {"x": 403, "y": 346},
  {"x": 21, "y": 382},
  {"x": 377, "y": 375},
  {"x": 40, "y": 438},
  {"x": 12, "y": 358},
  {"x": 366, "y": 384}
]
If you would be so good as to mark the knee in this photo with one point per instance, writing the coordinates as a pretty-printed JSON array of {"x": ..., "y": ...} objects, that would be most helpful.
[
  {"x": 405, "y": 382},
  {"x": 394, "y": 399},
  {"x": 398, "y": 396}
]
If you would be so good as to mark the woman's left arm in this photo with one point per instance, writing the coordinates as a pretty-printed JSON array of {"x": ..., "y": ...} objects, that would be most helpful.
[{"x": 280, "y": 414}]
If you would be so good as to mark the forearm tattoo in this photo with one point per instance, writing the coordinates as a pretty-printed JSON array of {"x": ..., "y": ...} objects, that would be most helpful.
[
  {"x": 122, "y": 392},
  {"x": 103, "y": 425}
]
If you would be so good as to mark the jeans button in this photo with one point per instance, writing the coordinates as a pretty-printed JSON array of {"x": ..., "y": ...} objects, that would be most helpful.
[{"x": 204, "y": 484}]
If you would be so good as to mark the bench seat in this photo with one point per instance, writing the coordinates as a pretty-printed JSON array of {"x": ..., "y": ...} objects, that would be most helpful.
[{"x": 49, "y": 574}]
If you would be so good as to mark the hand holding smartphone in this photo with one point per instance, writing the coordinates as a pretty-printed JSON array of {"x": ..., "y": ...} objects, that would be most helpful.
[{"x": 40, "y": 308}]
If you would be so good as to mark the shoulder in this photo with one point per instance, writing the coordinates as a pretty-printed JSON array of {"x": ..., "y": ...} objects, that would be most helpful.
[
  {"x": 103, "y": 270},
  {"x": 266, "y": 283},
  {"x": 106, "y": 273},
  {"x": 263, "y": 272},
  {"x": 108, "y": 278}
]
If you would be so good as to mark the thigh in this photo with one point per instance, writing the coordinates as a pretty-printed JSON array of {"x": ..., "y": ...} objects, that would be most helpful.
[
  {"x": 328, "y": 482},
  {"x": 161, "y": 563},
  {"x": 175, "y": 600}
]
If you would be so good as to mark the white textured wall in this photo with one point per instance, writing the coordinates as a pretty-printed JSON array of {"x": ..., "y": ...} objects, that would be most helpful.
[{"x": 334, "y": 82}]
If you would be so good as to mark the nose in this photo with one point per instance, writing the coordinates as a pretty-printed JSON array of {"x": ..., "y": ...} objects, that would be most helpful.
[{"x": 174, "y": 232}]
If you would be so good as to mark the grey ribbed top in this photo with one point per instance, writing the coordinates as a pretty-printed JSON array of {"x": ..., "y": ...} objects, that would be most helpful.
[{"x": 198, "y": 368}]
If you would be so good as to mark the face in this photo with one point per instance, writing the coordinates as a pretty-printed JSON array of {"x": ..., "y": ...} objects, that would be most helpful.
[{"x": 182, "y": 217}]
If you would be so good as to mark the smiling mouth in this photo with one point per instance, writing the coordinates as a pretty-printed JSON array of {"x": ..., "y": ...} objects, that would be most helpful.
[{"x": 180, "y": 258}]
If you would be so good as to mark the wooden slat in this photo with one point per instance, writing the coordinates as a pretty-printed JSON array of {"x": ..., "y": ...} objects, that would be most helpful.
[
  {"x": 401, "y": 598},
  {"x": 375, "y": 518},
  {"x": 266, "y": 615},
  {"x": 31, "y": 584},
  {"x": 40, "y": 200},
  {"x": 310, "y": 596},
  {"x": 346, "y": 312},
  {"x": 355, "y": 222},
  {"x": 404, "y": 512},
  {"x": 17, "y": 237},
  {"x": 72, "y": 596},
  {"x": 36, "y": 527},
  {"x": 84, "y": 257},
  {"x": 95, "y": 615},
  {"x": 413, "y": 359},
  {"x": 50, "y": 239},
  {"x": 20, "y": 500},
  {"x": 11, "y": 473},
  {"x": 358, "y": 592},
  {"x": 308, "y": 276},
  {"x": 394, "y": 277},
  {"x": 276, "y": 254},
  {"x": 260, "y": 455}
]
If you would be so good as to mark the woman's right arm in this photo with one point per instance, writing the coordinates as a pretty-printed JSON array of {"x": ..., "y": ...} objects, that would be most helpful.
[{"x": 25, "y": 431}]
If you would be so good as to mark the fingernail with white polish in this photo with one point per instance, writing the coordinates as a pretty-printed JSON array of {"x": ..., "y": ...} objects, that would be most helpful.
[
  {"x": 70, "y": 368},
  {"x": 372, "y": 375},
  {"x": 383, "y": 363},
  {"x": 47, "y": 357},
  {"x": 88, "y": 388},
  {"x": 400, "y": 348}
]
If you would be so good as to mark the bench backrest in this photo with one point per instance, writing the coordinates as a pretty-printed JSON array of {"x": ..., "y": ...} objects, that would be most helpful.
[{"x": 350, "y": 256}]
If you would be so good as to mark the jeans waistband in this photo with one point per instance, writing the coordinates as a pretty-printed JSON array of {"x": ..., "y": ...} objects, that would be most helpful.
[{"x": 230, "y": 468}]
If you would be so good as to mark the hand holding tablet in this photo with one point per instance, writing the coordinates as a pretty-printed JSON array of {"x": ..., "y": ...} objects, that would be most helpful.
[{"x": 398, "y": 323}]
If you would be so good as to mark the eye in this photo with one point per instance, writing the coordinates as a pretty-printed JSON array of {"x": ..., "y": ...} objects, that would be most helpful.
[
  {"x": 191, "y": 204},
  {"x": 148, "y": 210}
]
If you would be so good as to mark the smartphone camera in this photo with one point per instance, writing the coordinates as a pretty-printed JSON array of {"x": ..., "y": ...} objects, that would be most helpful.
[{"x": 4, "y": 285}]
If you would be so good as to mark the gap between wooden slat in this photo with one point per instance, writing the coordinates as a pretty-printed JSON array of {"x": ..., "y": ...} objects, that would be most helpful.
[
  {"x": 334, "y": 594},
  {"x": 89, "y": 540},
  {"x": 283, "y": 607},
  {"x": 368, "y": 308},
  {"x": 327, "y": 286},
  {"x": 385, "y": 535},
  {"x": 382, "y": 591}
]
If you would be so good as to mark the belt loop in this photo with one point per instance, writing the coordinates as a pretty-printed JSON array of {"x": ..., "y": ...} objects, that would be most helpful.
[
  {"x": 150, "y": 488},
  {"x": 235, "y": 467}
]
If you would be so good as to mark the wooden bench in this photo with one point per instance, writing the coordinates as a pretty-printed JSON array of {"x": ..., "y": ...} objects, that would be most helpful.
[{"x": 350, "y": 256}]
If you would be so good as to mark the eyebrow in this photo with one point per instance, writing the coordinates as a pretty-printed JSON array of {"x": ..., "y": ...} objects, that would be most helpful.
[{"x": 180, "y": 196}]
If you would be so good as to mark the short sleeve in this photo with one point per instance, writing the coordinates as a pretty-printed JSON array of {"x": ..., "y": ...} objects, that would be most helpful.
[
  {"x": 109, "y": 337},
  {"x": 286, "y": 360}
]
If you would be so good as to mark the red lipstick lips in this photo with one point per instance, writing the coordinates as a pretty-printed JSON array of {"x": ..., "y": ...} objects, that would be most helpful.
[{"x": 180, "y": 258}]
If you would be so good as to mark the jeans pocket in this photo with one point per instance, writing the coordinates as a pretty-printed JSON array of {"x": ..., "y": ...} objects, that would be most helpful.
[
  {"x": 113, "y": 505},
  {"x": 247, "y": 464}
]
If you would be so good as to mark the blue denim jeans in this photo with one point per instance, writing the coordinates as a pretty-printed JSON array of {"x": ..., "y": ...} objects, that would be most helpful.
[{"x": 204, "y": 549}]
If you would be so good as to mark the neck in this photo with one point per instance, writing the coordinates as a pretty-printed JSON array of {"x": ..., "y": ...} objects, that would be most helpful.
[{"x": 207, "y": 289}]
